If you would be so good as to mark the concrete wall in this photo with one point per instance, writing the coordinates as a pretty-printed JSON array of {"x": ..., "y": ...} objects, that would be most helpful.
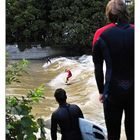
[{"x": 33, "y": 53}]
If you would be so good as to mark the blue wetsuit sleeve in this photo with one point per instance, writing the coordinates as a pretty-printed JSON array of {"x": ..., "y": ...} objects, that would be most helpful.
[
  {"x": 98, "y": 64},
  {"x": 53, "y": 127}
]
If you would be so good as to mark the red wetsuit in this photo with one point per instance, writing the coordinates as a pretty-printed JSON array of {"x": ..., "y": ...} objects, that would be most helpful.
[{"x": 69, "y": 73}]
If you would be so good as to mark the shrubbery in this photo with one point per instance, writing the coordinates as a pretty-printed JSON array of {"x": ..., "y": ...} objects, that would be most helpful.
[{"x": 20, "y": 123}]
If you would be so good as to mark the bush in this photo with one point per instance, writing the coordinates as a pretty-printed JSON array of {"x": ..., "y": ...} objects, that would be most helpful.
[{"x": 20, "y": 123}]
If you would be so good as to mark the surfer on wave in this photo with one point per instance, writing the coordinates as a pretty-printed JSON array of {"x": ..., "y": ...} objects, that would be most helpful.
[{"x": 69, "y": 75}]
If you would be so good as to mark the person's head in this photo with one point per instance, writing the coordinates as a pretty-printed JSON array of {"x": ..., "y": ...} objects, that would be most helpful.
[
  {"x": 60, "y": 95},
  {"x": 66, "y": 69},
  {"x": 116, "y": 11}
]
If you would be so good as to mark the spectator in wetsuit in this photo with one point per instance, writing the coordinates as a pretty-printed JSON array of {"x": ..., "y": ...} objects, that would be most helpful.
[
  {"x": 114, "y": 44},
  {"x": 66, "y": 116}
]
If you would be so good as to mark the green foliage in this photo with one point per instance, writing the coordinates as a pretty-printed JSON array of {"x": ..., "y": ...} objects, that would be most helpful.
[
  {"x": 56, "y": 22},
  {"x": 131, "y": 9},
  {"x": 20, "y": 124},
  {"x": 74, "y": 21},
  {"x": 64, "y": 23},
  {"x": 14, "y": 71},
  {"x": 41, "y": 123},
  {"x": 36, "y": 94},
  {"x": 25, "y": 20}
]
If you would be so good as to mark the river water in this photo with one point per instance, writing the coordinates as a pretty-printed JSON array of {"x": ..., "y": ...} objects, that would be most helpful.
[{"x": 82, "y": 90}]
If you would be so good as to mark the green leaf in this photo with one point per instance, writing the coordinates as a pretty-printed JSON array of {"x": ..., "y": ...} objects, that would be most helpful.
[
  {"x": 26, "y": 121},
  {"x": 30, "y": 137}
]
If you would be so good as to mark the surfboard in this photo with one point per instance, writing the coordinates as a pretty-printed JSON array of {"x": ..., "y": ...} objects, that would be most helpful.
[
  {"x": 91, "y": 130},
  {"x": 67, "y": 83}
]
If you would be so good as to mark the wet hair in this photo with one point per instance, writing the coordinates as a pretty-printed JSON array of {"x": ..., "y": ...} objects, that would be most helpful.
[
  {"x": 116, "y": 11},
  {"x": 60, "y": 95}
]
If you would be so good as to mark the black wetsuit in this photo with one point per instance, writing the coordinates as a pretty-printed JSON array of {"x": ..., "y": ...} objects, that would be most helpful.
[
  {"x": 66, "y": 116},
  {"x": 114, "y": 43}
]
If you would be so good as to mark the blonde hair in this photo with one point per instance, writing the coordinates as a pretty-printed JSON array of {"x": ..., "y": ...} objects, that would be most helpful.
[{"x": 116, "y": 11}]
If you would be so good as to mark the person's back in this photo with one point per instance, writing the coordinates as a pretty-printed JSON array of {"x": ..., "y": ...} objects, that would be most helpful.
[
  {"x": 67, "y": 117},
  {"x": 114, "y": 43},
  {"x": 119, "y": 40},
  {"x": 119, "y": 57}
]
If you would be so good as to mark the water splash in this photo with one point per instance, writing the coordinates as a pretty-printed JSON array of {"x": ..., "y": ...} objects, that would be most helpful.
[{"x": 82, "y": 69}]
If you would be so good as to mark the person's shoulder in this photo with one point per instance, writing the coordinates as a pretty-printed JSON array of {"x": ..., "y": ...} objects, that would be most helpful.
[
  {"x": 55, "y": 112},
  {"x": 101, "y": 30},
  {"x": 104, "y": 28},
  {"x": 74, "y": 106}
]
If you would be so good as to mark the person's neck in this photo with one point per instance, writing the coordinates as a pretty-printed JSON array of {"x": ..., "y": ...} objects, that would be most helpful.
[
  {"x": 62, "y": 104},
  {"x": 121, "y": 23}
]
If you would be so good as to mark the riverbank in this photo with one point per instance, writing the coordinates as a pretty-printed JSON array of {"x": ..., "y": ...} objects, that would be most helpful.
[
  {"x": 37, "y": 52},
  {"x": 33, "y": 53}
]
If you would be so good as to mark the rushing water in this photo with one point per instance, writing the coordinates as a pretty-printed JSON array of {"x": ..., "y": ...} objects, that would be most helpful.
[{"x": 82, "y": 91}]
